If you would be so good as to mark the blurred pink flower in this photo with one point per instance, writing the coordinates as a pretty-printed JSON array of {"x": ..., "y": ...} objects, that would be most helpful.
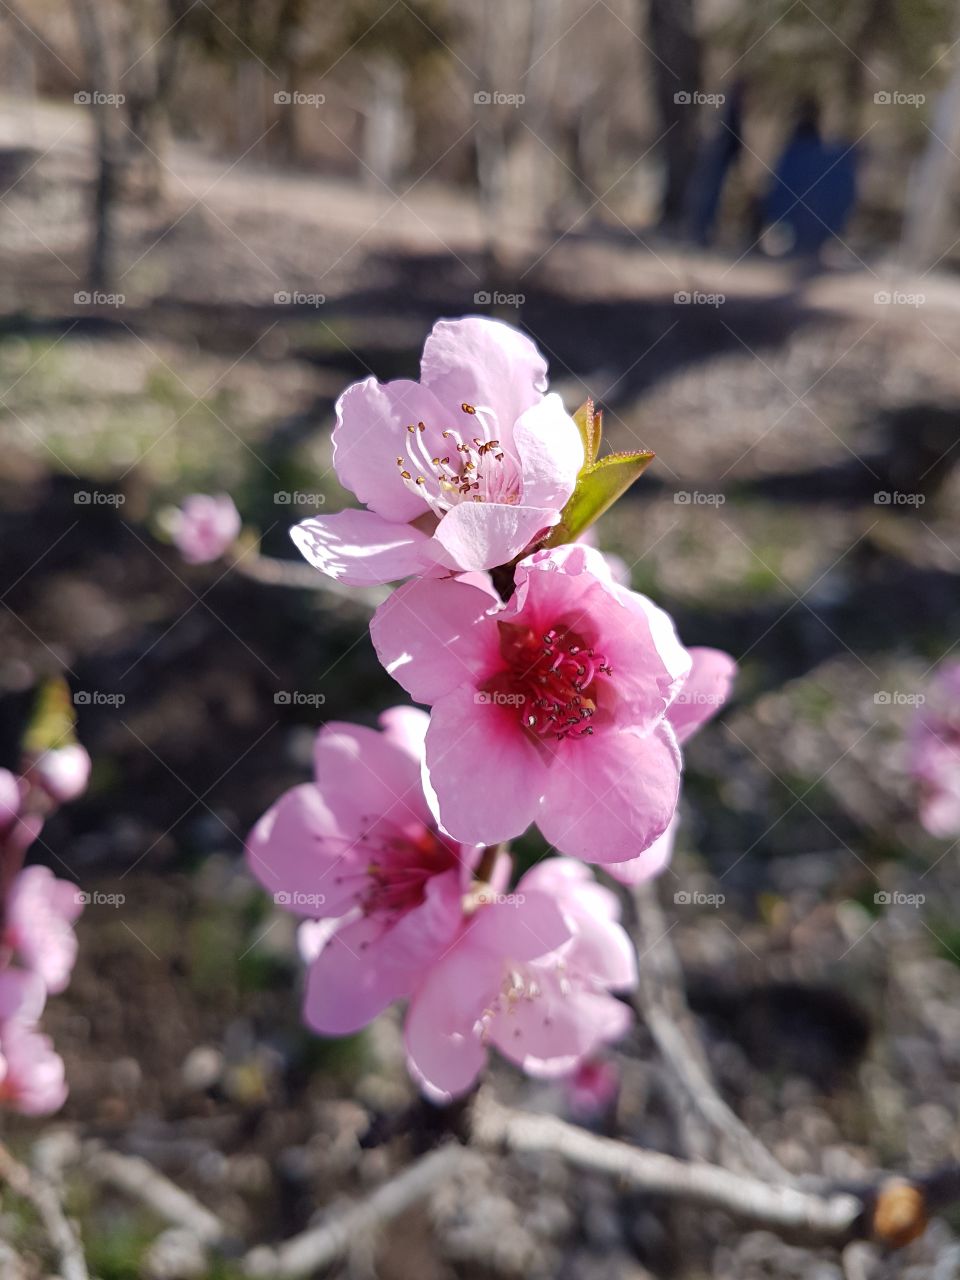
[
  {"x": 63, "y": 772},
  {"x": 32, "y": 1077},
  {"x": 9, "y": 800},
  {"x": 360, "y": 846},
  {"x": 531, "y": 975},
  {"x": 205, "y": 526},
  {"x": 705, "y": 690},
  {"x": 549, "y": 709},
  {"x": 592, "y": 1089},
  {"x": 934, "y": 750},
  {"x": 459, "y": 471},
  {"x": 38, "y": 925}
]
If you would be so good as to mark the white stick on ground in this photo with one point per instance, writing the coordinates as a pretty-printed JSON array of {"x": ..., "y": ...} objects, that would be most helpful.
[
  {"x": 781, "y": 1208},
  {"x": 321, "y": 1245},
  {"x": 43, "y": 1196},
  {"x": 137, "y": 1178}
]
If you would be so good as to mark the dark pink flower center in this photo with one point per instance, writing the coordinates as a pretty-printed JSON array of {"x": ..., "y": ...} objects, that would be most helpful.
[
  {"x": 394, "y": 879},
  {"x": 554, "y": 678}
]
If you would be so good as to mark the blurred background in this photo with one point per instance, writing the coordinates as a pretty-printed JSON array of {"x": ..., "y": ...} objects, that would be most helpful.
[{"x": 732, "y": 224}]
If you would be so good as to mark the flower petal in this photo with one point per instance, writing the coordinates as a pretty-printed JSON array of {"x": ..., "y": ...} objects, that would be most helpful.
[
  {"x": 704, "y": 691},
  {"x": 433, "y": 636},
  {"x": 551, "y": 453},
  {"x": 482, "y": 362},
  {"x": 649, "y": 863},
  {"x": 482, "y": 535},
  {"x": 487, "y": 776},
  {"x": 365, "y": 777},
  {"x": 371, "y": 433},
  {"x": 361, "y": 549},
  {"x": 610, "y": 796}
]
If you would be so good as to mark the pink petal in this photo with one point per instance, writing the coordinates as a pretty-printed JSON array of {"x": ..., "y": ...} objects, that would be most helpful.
[
  {"x": 482, "y": 535},
  {"x": 483, "y": 363},
  {"x": 487, "y": 775},
  {"x": 371, "y": 433},
  {"x": 346, "y": 986},
  {"x": 649, "y": 863},
  {"x": 444, "y": 1051},
  {"x": 427, "y": 637},
  {"x": 361, "y": 548},
  {"x": 297, "y": 851},
  {"x": 365, "y": 778},
  {"x": 531, "y": 926},
  {"x": 406, "y": 727},
  {"x": 22, "y": 996},
  {"x": 704, "y": 691},
  {"x": 551, "y": 453},
  {"x": 611, "y": 795}
]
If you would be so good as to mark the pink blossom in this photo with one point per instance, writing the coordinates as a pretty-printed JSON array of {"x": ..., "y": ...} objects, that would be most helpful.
[
  {"x": 359, "y": 846},
  {"x": 9, "y": 800},
  {"x": 459, "y": 471},
  {"x": 32, "y": 1077},
  {"x": 39, "y": 916},
  {"x": 934, "y": 748},
  {"x": 592, "y": 1089},
  {"x": 704, "y": 692},
  {"x": 205, "y": 526},
  {"x": 549, "y": 709},
  {"x": 63, "y": 772},
  {"x": 531, "y": 975}
]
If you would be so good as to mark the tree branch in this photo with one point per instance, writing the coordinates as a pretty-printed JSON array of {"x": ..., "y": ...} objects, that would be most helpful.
[
  {"x": 42, "y": 1194},
  {"x": 136, "y": 1178}
]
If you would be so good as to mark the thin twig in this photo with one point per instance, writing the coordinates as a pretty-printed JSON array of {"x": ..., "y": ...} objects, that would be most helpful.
[
  {"x": 831, "y": 1218},
  {"x": 140, "y": 1180},
  {"x": 660, "y": 1000},
  {"x": 303, "y": 577},
  {"x": 41, "y": 1193},
  {"x": 324, "y": 1244}
]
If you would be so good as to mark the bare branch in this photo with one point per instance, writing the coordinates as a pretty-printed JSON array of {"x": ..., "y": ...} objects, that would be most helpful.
[
  {"x": 299, "y": 574},
  {"x": 324, "y": 1244},
  {"x": 138, "y": 1179},
  {"x": 830, "y": 1218},
  {"x": 661, "y": 1002},
  {"x": 42, "y": 1194}
]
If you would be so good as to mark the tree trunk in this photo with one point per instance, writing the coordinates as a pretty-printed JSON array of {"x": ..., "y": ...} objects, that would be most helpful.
[{"x": 676, "y": 75}]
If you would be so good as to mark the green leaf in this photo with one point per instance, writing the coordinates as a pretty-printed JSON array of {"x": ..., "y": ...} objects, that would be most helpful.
[
  {"x": 598, "y": 487},
  {"x": 589, "y": 424},
  {"x": 52, "y": 719}
]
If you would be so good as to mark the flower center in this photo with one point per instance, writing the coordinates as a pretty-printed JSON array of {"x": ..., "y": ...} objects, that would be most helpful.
[
  {"x": 399, "y": 865},
  {"x": 446, "y": 467},
  {"x": 555, "y": 679}
]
